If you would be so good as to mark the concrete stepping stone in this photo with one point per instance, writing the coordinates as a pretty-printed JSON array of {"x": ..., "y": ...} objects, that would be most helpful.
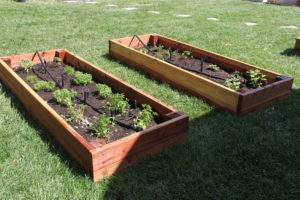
[
  {"x": 154, "y": 12},
  {"x": 183, "y": 15},
  {"x": 213, "y": 19},
  {"x": 250, "y": 23},
  {"x": 289, "y": 27},
  {"x": 129, "y": 9}
]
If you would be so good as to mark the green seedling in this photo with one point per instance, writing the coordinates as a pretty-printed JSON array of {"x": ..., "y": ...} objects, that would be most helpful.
[
  {"x": 26, "y": 65},
  {"x": 187, "y": 54},
  {"x": 44, "y": 85},
  {"x": 256, "y": 78},
  {"x": 117, "y": 103},
  {"x": 57, "y": 60},
  {"x": 144, "y": 118},
  {"x": 101, "y": 126},
  {"x": 103, "y": 90},
  {"x": 213, "y": 68},
  {"x": 159, "y": 56},
  {"x": 69, "y": 70},
  {"x": 64, "y": 96},
  {"x": 234, "y": 82},
  {"x": 32, "y": 79},
  {"x": 158, "y": 48},
  {"x": 82, "y": 78},
  {"x": 143, "y": 50},
  {"x": 175, "y": 53},
  {"x": 75, "y": 113}
]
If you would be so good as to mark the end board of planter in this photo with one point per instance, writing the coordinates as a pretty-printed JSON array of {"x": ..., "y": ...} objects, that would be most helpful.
[
  {"x": 99, "y": 159},
  {"x": 297, "y": 45},
  {"x": 278, "y": 87}
]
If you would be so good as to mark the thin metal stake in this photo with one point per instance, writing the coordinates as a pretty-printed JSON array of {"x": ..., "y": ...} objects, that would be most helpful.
[{"x": 62, "y": 80}]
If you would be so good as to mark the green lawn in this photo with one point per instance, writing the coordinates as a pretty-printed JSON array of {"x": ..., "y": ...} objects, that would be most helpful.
[{"x": 225, "y": 157}]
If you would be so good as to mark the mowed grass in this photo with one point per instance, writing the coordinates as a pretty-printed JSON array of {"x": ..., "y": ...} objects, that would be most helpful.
[{"x": 225, "y": 157}]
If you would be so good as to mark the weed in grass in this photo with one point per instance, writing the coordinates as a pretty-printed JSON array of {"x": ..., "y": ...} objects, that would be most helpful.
[
  {"x": 32, "y": 78},
  {"x": 26, "y": 65},
  {"x": 69, "y": 70},
  {"x": 104, "y": 90},
  {"x": 64, "y": 96},
  {"x": 256, "y": 78},
  {"x": 82, "y": 78},
  {"x": 100, "y": 128},
  {"x": 144, "y": 118},
  {"x": 213, "y": 67},
  {"x": 44, "y": 85},
  {"x": 117, "y": 103}
]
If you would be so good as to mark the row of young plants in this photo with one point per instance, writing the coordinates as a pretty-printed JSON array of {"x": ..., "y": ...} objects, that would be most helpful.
[
  {"x": 116, "y": 103},
  {"x": 254, "y": 78}
]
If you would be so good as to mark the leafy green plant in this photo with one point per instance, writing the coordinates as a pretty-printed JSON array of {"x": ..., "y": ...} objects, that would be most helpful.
[
  {"x": 32, "y": 78},
  {"x": 143, "y": 50},
  {"x": 57, "y": 60},
  {"x": 117, "y": 103},
  {"x": 44, "y": 85},
  {"x": 233, "y": 82},
  {"x": 256, "y": 78},
  {"x": 159, "y": 56},
  {"x": 104, "y": 90},
  {"x": 75, "y": 113},
  {"x": 213, "y": 67},
  {"x": 26, "y": 65},
  {"x": 175, "y": 53},
  {"x": 101, "y": 126},
  {"x": 69, "y": 70},
  {"x": 64, "y": 96},
  {"x": 143, "y": 119},
  {"x": 158, "y": 48},
  {"x": 187, "y": 54},
  {"x": 82, "y": 78}
]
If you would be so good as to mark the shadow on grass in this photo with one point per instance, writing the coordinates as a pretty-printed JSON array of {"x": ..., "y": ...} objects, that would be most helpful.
[
  {"x": 225, "y": 157},
  {"x": 290, "y": 52},
  {"x": 54, "y": 147}
]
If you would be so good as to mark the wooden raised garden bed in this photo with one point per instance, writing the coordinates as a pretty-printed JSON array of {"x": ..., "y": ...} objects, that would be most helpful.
[
  {"x": 297, "y": 45},
  {"x": 126, "y": 143},
  {"x": 191, "y": 69}
]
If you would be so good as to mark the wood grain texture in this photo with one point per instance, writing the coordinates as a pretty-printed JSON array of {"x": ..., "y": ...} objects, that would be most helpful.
[
  {"x": 99, "y": 159},
  {"x": 216, "y": 94}
]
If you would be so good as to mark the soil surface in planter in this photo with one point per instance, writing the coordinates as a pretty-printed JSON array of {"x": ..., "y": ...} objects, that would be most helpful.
[
  {"x": 193, "y": 65},
  {"x": 116, "y": 131}
]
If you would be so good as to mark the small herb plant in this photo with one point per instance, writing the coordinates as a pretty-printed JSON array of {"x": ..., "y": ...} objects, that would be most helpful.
[
  {"x": 256, "y": 78},
  {"x": 213, "y": 67},
  {"x": 159, "y": 56},
  {"x": 32, "y": 78},
  {"x": 117, "y": 103},
  {"x": 233, "y": 82},
  {"x": 69, "y": 70},
  {"x": 143, "y": 119},
  {"x": 143, "y": 50},
  {"x": 101, "y": 126},
  {"x": 44, "y": 85},
  {"x": 104, "y": 90},
  {"x": 64, "y": 96},
  {"x": 75, "y": 113},
  {"x": 175, "y": 53},
  {"x": 187, "y": 54},
  {"x": 82, "y": 78},
  {"x": 158, "y": 48},
  {"x": 57, "y": 60},
  {"x": 26, "y": 65}
]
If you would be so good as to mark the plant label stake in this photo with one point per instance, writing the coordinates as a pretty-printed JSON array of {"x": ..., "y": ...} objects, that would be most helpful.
[{"x": 85, "y": 96}]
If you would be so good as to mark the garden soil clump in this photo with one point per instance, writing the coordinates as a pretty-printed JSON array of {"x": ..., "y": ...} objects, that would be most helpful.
[{"x": 116, "y": 131}]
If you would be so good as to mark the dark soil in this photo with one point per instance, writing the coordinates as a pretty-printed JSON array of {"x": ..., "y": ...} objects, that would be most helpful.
[
  {"x": 192, "y": 64},
  {"x": 116, "y": 131}
]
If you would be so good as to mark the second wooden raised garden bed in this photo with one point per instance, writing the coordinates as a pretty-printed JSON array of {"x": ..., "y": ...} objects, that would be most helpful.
[
  {"x": 126, "y": 143},
  {"x": 203, "y": 73}
]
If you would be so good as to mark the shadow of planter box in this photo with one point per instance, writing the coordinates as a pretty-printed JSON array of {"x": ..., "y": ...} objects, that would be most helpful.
[
  {"x": 98, "y": 159},
  {"x": 278, "y": 86}
]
